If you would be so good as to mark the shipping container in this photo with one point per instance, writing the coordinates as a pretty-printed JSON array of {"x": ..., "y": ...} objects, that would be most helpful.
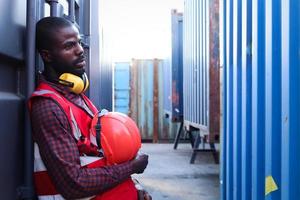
[
  {"x": 146, "y": 100},
  {"x": 12, "y": 96},
  {"x": 167, "y": 71},
  {"x": 121, "y": 87},
  {"x": 260, "y": 140},
  {"x": 173, "y": 76},
  {"x": 201, "y": 60},
  {"x": 100, "y": 65},
  {"x": 105, "y": 78},
  {"x": 170, "y": 129},
  {"x": 19, "y": 64}
]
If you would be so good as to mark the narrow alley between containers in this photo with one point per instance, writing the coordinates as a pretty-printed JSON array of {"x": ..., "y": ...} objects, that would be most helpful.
[{"x": 170, "y": 176}]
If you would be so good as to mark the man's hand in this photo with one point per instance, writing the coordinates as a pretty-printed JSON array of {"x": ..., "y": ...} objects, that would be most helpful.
[
  {"x": 147, "y": 196},
  {"x": 139, "y": 163},
  {"x": 142, "y": 193}
]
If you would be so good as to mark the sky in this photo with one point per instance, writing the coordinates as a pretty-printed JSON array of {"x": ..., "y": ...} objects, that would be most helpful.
[{"x": 138, "y": 28}]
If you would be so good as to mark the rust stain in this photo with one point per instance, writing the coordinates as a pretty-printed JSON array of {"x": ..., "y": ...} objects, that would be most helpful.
[
  {"x": 133, "y": 91},
  {"x": 155, "y": 101},
  {"x": 145, "y": 109},
  {"x": 214, "y": 73},
  {"x": 175, "y": 94}
]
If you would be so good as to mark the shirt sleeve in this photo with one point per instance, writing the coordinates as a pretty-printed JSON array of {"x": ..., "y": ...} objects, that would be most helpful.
[{"x": 58, "y": 149}]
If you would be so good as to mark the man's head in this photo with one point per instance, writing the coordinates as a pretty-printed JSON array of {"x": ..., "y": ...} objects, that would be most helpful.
[{"x": 59, "y": 44}]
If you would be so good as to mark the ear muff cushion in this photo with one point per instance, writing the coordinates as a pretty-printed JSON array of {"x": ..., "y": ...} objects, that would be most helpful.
[
  {"x": 78, "y": 84},
  {"x": 86, "y": 82}
]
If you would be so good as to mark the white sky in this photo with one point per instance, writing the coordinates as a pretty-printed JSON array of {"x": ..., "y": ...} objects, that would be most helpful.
[{"x": 138, "y": 28}]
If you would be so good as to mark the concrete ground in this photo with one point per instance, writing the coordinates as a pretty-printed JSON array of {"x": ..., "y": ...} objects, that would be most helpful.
[{"x": 170, "y": 176}]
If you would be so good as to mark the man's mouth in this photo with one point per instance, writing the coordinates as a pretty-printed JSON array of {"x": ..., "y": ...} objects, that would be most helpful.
[{"x": 80, "y": 63}]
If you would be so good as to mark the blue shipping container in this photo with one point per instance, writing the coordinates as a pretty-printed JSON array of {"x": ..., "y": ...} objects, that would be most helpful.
[
  {"x": 121, "y": 87},
  {"x": 196, "y": 57},
  {"x": 99, "y": 65},
  {"x": 260, "y": 140},
  {"x": 167, "y": 87},
  {"x": 201, "y": 60},
  {"x": 177, "y": 68}
]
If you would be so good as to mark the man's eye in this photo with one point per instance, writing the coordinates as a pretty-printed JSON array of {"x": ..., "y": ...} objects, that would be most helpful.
[
  {"x": 73, "y": 44},
  {"x": 69, "y": 45}
]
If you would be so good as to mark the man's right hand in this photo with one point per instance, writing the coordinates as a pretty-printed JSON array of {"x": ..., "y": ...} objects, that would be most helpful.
[{"x": 139, "y": 163}]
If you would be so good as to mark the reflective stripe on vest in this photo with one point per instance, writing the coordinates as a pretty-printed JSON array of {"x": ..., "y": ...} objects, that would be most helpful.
[
  {"x": 75, "y": 129},
  {"x": 39, "y": 165},
  {"x": 42, "y": 92},
  {"x": 57, "y": 197},
  {"x": 41, "y": 173},
  {"x": 51, "y": 197}
]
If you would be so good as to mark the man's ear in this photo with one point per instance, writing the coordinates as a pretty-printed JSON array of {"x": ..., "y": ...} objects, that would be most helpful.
[{"x": 46, "y": 55}]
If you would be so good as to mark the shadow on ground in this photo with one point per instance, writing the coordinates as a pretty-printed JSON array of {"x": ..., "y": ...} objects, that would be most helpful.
[{"x": 170, "y": 176}]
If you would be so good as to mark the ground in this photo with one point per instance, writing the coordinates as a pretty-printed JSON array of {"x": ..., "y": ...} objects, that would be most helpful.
[{"x": 170, "y": 176}]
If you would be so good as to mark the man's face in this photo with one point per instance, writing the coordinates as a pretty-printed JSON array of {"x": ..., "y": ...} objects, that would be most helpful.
[{"x": 66, "y": 54}]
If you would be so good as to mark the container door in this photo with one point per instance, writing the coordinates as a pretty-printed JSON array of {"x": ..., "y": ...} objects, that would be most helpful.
[{"x": 121, "y": 87}]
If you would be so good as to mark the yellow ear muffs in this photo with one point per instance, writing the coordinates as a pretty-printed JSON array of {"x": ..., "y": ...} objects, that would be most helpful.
[{"x": 75, "y": 83}]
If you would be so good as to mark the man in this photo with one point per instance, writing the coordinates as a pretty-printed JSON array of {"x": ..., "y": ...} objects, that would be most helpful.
[{"x": 68, "y": 165}]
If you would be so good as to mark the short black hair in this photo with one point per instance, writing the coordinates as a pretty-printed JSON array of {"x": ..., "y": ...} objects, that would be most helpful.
[{"x": 46, "y": 28}]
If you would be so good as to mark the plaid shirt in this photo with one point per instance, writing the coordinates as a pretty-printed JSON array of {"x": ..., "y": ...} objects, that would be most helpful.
[{"x": 58, "y": 149}]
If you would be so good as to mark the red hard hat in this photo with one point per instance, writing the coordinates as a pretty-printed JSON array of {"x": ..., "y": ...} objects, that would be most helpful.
[{"x": 119, "y": 137}]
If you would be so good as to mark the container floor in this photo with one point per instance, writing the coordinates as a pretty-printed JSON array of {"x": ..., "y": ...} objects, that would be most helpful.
[{"x": 170, "y": 176}]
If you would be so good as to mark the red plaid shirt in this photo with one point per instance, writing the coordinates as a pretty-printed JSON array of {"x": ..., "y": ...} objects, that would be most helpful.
[{"x": 58, "y": 149}]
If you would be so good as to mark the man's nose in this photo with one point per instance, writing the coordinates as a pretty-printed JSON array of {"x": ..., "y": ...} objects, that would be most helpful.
[{"x": 79, "y": 49}]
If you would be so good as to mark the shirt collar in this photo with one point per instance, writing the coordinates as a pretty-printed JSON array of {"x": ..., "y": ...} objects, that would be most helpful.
[{"x": 60, "y": 88}]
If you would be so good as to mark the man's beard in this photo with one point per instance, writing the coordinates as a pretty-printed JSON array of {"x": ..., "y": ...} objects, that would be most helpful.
[
  {"x": 60, "y": 69},
  {"x": 78, "y": 72}
]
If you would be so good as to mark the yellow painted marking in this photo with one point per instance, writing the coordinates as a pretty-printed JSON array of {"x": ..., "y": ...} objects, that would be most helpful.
[{"x": 270, "y": 185}]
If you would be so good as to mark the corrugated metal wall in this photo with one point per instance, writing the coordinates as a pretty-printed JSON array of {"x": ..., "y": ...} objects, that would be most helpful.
[
  {"x": 260, "y": 144},
  {"x": 146, "y": 100},
  {"x": 196, "y": 62},
  {"x": 99, "y": 65},
  {"x": 106, "y": 69},
  {"x": 169, "y": 128},
  {"x": 106, "y": 84},
  {"x": 121, "y": 87},
  {"x": 214, "y": 71},
  {"x": 176, "y": 68},
  {"x": 167, "y": 71},
  {"x": 145, "y": 96},
  {"x": 12, "y": 93},
  {"x": 201, "y": 66}
]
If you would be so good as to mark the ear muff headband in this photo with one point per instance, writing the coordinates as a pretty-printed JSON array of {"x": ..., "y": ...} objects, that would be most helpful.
[{"x": 75, "y": 83}]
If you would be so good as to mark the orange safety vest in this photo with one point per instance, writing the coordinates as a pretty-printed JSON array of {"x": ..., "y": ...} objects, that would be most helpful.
[{"x": 79, "y": 122}]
